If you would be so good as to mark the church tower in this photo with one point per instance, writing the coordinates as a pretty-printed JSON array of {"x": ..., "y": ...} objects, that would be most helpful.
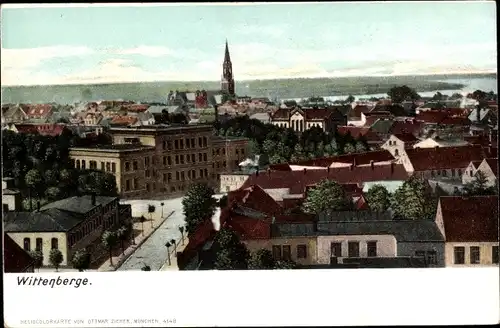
[{"x": 227, "y": 81}]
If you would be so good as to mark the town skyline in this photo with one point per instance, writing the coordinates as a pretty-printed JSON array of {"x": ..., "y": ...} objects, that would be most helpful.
[{"x": 266, "y": 42}]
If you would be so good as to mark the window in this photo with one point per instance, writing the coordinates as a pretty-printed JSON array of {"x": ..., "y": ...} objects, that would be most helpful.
[
  {"x": 396, "y": 152},
  {"x": 206, "y": 172},
  {"x": 336, "y": 249},
  {"x": 193, "y": 158},
  {"x": 452, "y": 172},
  {"x": 242, "y": 151},
  {"x": 459, "y": 255},
  {"x": 136, "y": 166},
  {"x": 127, "y": 185},
  {"x": 302, "y": 251},
  {"x": 169, "y": 160},
  {"x": 193, "y": 143},
  {"x": 494, "y": 254},
  {"x": 54, "y": 243},
  {"x": 169, "y": 177},
  {"x": 164, "y": 160},
  {"x": 431, "y": 257},
  {"x": 182, "y": 159},
  {"x": 146, "y": 161},
  {"x": 205, "y": 157},
  {"x": 459, "y": 172},
  {"x": 39, "y": 244},
  {"x": 205, "y": 141},
  {"x": 136, "y": 183},
  {"x": 371, "y": 247},
  {"x": 5, "y": 207},
  {"x": 113, "y": 167},
  {"x": 475, "y": 256},
  {"x": 200, "y": 157},
  {"x": 471, "y": 173},
  {"x": 177, "y": 176},
  {"x": 176, "y": 144},
  {"x": 108, "y": 166},
  {"x": 127, "y": 166},
  {"x": 277, "y": 252},
  {"x": 200, "y": 142},
  {"x": 444, "y": 173},
  {"x": 201, "y": 173},
  {"x": 147, "y": 187},
  {"x": 182, "y": 143},
  {"x": 182, "y": 176},
  {"x": 83, "y": 164},
  {"x": 353, "y": 249},
  {"x": 176, "y": 159},
  {"x": 147, "y": 173},
  {"x": 287, "y": 253}
]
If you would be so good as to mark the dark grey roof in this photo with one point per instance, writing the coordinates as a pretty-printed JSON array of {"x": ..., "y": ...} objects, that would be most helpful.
[
  {"x": 51, "y": 220},
  {"x": 241, "y": 210},
  {"x": 354, "y": 216},
  {"x": 382, "y": 126},
  {"x": 403, "y": 231},
  {"x": 78, "y": 204},
  {"x": 10, "y": 191}
]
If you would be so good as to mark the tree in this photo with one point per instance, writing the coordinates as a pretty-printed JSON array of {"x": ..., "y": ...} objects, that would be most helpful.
[
  {"x": 350, "y": 99},
  {"x": 51, "y": 177},
  {"x": 398, "y": 94},
  {"x": 38, "y": 257},
  {"x": 298, "y": 153},
  {"x": 378, "y": 198},
  {"x": 230, "y": 252},
  {"x": 413, "y": 200},
  {"x": 438, "y": 96},
  {"x": 198, "y": 205},
  {"x": 55, "y": 258},
  {"x": 109, "y": 241},
  {"x": 151, "y": 210},
  {"x": 253, "y": 148},
  {"x": 81, "y": 260},
  {"x": 122, "y": 235},
  {"x": 360, "y": 147},
  {"x": 326, "y": 195},
  {"x": 53, "y": 193},
  {"x": 285, "y": 265},
  {"x": 349, "y": 148},
  {"x": 479, "y": 186},
  {"x": 33, "y": 180},
  {"x": 261, "y": 260}
]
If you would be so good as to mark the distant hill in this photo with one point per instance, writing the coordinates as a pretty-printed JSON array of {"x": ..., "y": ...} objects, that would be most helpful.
[{"x": 281, "y": 88}]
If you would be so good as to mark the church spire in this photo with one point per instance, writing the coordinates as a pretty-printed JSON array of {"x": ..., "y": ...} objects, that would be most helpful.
[{"x": 227, "y": 82}]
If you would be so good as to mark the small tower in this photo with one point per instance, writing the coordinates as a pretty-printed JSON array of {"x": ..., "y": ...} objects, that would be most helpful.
[{"x": 227, "y": 81}]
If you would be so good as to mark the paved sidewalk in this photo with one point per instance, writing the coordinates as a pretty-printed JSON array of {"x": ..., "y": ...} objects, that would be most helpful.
[
  {"x": 173, "y": 259},
  {"x": 139, "y": 240}
]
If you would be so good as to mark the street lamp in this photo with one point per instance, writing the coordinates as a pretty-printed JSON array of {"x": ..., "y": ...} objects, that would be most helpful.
[
  {"x": 167, "y": 245},
  {"x": 175, "y": 245},
  {"x": 162, "y": 204},
  {"x": 181, "y": 229}
]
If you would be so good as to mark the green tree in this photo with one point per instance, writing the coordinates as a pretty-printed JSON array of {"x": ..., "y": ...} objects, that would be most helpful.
[
  {"x": 261, "y": 260},
  {"x": 55, "y": 258},
  {"x": 109, "y": 241},
  {"x": 29, "y": 205},
  {"x": 378, "y": 198},
  {"x": 51, "y": 177},
  {"x": 479, "y": 186},
  {"x": 456, "y": 96},
  {"x": 253, "y": 148},
  {"x": 269, "y": 147},
  {"x": 320, "y": 150},
  {"x": 33, "y": 180},
  {"x": 360, "y": 147},
  {"x": 38, "y": 257},
  {"x": 53, "y": 193},
  {"x": 230, "y": 252},
  {"x": 349, "y": 148},
  {"x": 276, "y": 159},
  {"x": 326, "y": 195},
  {"x": 151, "y": 210},
  {"x": 298, "y": 153},
  {"x": 122, "y": 235},
  {"x": 198, "y": 205},
  {"x": 285, "y": 265},
  {"x": 350, "y": 99},
  {"x": 413, "y": 200},
  {"x": 81, "y": 260},
  {"x": 398, "y": 94}
]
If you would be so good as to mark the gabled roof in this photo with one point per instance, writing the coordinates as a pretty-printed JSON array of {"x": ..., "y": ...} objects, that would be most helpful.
[
  {"x": 355, "y": 112},
  {"x": 470, "y": 219},
  {"x": 423, "y": 159},
  {"x": 79, "y": 204},
  {"x": 51, "y": 220},
  {"x": 39, "y": 110},
  {"x": 493, "y": 164},
  {"x": 382, "y": 126},
  {"x": 254, "y": 197},
  {"x": 483, "y": 113},
  {"x": 123, "y": 120},
  {"x": 16, "y": 259}
]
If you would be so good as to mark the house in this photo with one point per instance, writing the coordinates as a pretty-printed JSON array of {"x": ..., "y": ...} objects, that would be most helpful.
[
  {"x": 382, "y": 127},
  {"x": 355, "y": 113},
  {"x": 143, "y": 118},
  {"x": 483, "y": 140},
  {"x": 488, "y": 166},
  {"x": 13, "y": 114},
  {"x": 393, "y": 109},
  {"x": 300, "y": 119},
  {"x": 39, "y": 111},
  {"x": 397, "y": 143},
  {"x": 440, "y": 142},
  {"x": 470, "y": 229},
  {"x": 41, "y": 129},
  {"x": 446, "y": 163},
  {"x": 11, "y": 197},
  {"x": 357, "y": 235},
  {"x": 371, "y": 137},
  {"x": 92, "y": 118},
  {"x": 16, "y": 259},
  {"x": 69, "y": 225},
  {"x": 407, "y": 126},
  {"x": 483, "y": 116}
]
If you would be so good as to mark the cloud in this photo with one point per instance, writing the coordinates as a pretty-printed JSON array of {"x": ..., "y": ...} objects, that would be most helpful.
[{"x": 148, "y": 51}]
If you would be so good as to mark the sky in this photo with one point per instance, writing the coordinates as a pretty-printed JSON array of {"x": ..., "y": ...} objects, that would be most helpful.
[{"x": 76, "y": 45}]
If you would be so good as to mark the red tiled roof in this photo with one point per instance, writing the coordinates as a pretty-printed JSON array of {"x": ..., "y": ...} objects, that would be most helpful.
[
  {"x": 248, "y": 228},
  {"x": 123, "y": 120},
  {"x": 424, "y": 159},
  {"x": 491, "y": 152},
  {"x": 15, "y": 258},
  {"x": 281, "y": 114},
  {"x": 370, "y": 120},
  {"x": 50, "y": 129},
  {"x": 383, "y": 113},
  {"x": 357, "y": 110},
  {"x": 297, "y": 181},
  {"x": 431, "y": 116},
  {"x": 38, "y": 110},
  {"x": 413, "y": 127},
  {"x": 26, "y": 128},
  {"x": 317, "y": 114},
  {"x": 359, "y": 158},
  {"x": 256, "y": 198},
  {"x": 470, "y": 219},
  {"x": 451, "y": 120},
  {"x": 406, "y": 137},
  {"x": 136, "y": 108}
]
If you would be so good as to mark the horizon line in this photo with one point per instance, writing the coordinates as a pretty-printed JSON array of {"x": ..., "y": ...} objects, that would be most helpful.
[{"x": 253, "y": 80}]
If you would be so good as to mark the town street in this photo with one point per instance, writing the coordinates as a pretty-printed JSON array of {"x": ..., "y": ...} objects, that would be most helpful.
[{"x": 153, "y": 251}]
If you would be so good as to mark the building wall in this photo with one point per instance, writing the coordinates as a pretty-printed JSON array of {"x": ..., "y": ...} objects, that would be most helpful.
[
  {"x": 403, "y": 159},
  {"x": 485, "y": 249},
  {"x": 18, "y": 237},
  {"x": 394, "y": 146},
  {"x": 227, "y": 154},
  {"x": 455, "y": 174},
  {"x": 13, "y": 202},
  {"x": 310, "y": 242},
  {"x": 386, "y": 246},
  {"x": 410, "y": 249},
  {"x": 231, "y": 182},
  {"x": 469, "y": 174}
]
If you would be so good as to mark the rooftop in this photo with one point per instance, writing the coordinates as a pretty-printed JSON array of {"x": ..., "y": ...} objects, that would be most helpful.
[
  {"x": 15, "y": 258},
  {"x": 117, "y": 148},
  {"x": 79, "y": 204},
  {"x": 51, "y": 220}
]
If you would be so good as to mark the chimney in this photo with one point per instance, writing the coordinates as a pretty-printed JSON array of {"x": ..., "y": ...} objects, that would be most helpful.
[
  {"x": 372, "y": 165},
  {"x": 305, "y": 170},
  {"x": 38, "y": 206},
  {"x": 93, "y": 199}
]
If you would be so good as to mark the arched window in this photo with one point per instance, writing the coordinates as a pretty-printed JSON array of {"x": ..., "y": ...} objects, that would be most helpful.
[
  {"x": 83, "y": 164},
  {"x": 77, "y": 163},
  {"x": 396, "y": 152},
  {"x": 54, "y": 243},
  {"x": 39, "y": 244},
  {"x": 27, "y": 244},
  {"x": 301, "y": 126}
]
